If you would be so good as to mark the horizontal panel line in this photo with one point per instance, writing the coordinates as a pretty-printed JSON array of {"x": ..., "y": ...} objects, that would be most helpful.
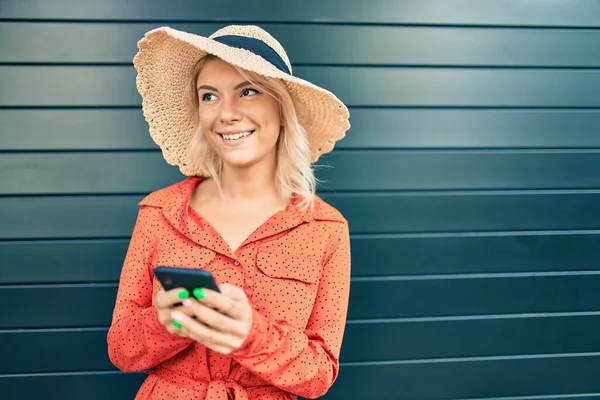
[
  {"x": 345, "y": 364},
  {"x": 322, "y": 22},
  {"x": 333, "y": 65},
  {"x": 114, "y": 240},
  {"x": 343, "y": 193},
  {"x": 370, "y": 235},
  {"x": 446, "y": 149},
  {"x": 498, "y": 109},
  {"x": 89, "y": 285},
  {"x": 348, "y": 193},
  {"x": 65, "y": 64},
  {"x": 435, "y": 235},
  {"x": 351, "y": 107},
  {"x": 378, "y": 363},
  {"x": 378, "y": 151},
  {"x": 473, "y": 107},
  {"x": 84, "y": 151},
  {"x": 46, "y": 240},
  {"x": 456, "y": 192},
  {"x": 471, "y": 359},
  {"x": 66, "y": 373},
  {"x": 383, "y": 278},
  {"x": 74, "y": 107},
  {"x": 54, "y": 330},
  {"x": 72, "y": 195},
  {"x": 371, "y": 321},
  {"x": 467, "y": 67},
  {"x": 441, "y": 149},
  {"x": 482, "y": 317},
  {"x": 474, "y": 276},
  {"x": 537, "y": 397},
  {"x": 353, "y": 150},
  {"x": 354, "y": 279},
  {"x": 357, "y": 236},
  {"x": 456, "y": 66}
]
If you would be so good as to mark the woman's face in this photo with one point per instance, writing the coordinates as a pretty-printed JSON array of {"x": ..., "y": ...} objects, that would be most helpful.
[{"x": 240, "y": 123}]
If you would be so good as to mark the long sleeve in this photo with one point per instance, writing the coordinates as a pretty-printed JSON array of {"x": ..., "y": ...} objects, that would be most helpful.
[
  {"x": 305, "y": 362},
  {"x": 136, "y": 339}
]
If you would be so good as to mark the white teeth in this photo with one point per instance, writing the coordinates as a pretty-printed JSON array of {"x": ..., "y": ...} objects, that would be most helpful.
[{"x": 236, "y": 136}]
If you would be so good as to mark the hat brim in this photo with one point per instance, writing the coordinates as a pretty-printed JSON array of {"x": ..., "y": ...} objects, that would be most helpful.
[{"x": 164, "y": 64}]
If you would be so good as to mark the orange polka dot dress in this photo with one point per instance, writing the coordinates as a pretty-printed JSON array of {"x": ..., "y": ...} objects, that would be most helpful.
[{"x": 295, "y": 270}]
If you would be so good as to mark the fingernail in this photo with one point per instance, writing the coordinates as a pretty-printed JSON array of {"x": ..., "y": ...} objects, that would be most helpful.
[
  {"x": 199, "y": 293},
  {"x": 187, "y": 302},
  {"x": 177, "y": 324},
  {"x": 184, "y": 294}
]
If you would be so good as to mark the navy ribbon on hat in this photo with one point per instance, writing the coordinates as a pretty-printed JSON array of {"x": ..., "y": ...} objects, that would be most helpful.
[{"x": 257, "y": 47}]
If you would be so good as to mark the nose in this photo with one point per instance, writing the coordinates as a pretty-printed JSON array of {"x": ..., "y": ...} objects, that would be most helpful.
[{"x": 229, "y": 112}]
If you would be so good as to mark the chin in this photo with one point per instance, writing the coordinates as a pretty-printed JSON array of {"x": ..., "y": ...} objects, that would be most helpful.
[{"x": 240, "y": 161}]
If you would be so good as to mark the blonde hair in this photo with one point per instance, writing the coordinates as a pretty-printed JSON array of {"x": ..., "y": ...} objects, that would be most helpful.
[{"x": 294, "y": 175}]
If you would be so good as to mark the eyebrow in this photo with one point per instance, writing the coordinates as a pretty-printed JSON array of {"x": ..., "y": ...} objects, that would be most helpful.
[{"x": 238, "y": 86}]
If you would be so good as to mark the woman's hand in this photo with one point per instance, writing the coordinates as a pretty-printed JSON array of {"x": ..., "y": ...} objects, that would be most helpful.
[
  {"x": 219, "y": 321},
  {"x": 168, "y": 302}
]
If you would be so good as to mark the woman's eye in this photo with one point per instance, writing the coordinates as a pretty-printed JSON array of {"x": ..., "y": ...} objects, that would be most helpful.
[
  {"x": 208, "y": 97},
  {"x": 249, "y": 92}
]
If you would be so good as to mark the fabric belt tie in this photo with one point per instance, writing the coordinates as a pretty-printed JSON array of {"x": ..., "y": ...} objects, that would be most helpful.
[{"x": 216, "y": 389}]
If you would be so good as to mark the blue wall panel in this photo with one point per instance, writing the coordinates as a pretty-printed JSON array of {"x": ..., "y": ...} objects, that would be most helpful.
[{"x": 469, "y": 177}]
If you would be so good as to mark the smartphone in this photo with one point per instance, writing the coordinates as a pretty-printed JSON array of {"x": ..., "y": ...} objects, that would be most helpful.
[{"x": 187, "y": 278}]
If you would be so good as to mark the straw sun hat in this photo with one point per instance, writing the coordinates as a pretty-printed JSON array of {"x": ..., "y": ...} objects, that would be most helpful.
[{"x": 164, "y": 65}]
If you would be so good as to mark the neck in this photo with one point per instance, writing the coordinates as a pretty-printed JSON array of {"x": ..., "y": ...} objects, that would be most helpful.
[{"x": 253, "y": 182}]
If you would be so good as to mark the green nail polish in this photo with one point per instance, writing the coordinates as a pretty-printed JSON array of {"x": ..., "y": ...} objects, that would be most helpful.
[
  {"x": 184, "y": 294},
  {"x": 199, "y": 293},
  {"x": 177, "y": 324}
]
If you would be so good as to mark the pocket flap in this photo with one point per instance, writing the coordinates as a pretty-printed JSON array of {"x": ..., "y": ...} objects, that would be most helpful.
[{"x": 298, "y": 267}]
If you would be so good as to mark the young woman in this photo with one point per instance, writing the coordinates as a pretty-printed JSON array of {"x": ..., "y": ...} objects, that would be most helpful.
[{"x": 228, "y": 112}]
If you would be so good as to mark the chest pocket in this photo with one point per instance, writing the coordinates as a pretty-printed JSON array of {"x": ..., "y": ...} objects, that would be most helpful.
[{"x": 285, "y": 286}]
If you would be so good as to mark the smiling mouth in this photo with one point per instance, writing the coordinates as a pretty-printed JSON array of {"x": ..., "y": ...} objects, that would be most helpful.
[{"x": 236, "y": 136}]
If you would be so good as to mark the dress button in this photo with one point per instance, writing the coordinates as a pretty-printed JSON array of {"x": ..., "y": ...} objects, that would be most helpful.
[
  {"x": 236, "y": 263},
  {"x": 219, "y": 375}
]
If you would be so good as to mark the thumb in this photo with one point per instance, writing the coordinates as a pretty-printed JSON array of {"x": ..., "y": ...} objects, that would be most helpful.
[
  {"x": 161, "y": 299},
  {"x": 233, "y": 292}
]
